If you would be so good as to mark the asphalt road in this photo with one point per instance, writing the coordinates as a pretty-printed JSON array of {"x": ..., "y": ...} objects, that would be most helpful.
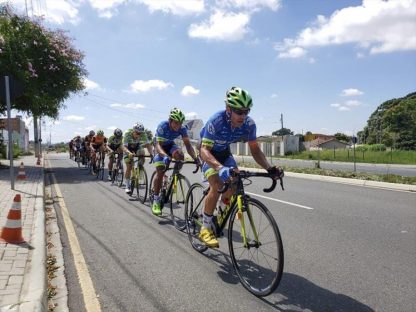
[{"x": 355, "y": 250}]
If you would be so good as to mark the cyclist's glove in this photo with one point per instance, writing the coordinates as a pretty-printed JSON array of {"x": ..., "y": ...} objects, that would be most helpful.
[
  {"x": 166, "y": 160},
  {"x": 276, "y": 172},
  {"x": 225, "y": 173}
]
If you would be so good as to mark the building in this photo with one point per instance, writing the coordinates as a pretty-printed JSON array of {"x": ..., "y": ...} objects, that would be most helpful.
[
  {"x": 20, "y": 133},
  {"x": 194, "y": 127},
  {"x": 327, "y": 144}
]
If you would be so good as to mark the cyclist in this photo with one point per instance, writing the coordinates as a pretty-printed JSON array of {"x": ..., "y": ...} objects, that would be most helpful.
[
  {"x": 133, "y": 142},
  {"x": 71, "y": 145},
  {"x": 115, "y": 145},
  {"x": 76, "y": 146},
  {"x": 166, "y": 149},
  {"x": 87, "y": 142},
  {"x": 223, "y": 128},
  {"x": 98, "y": 144}
]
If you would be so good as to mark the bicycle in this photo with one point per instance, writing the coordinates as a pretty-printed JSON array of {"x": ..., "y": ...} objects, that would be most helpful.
[
  {"x": 99, "y": 161},
  {"x": 117, "y": 174},
  {"x": 247, "y": 242},
  {"x": 174, "y": 190},
  {"x": 139, "y": 180}
]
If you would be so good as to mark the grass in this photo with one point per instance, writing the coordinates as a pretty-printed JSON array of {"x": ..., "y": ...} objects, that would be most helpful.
[
  {"x": 377, "y": 157},
  {"x": 391, "y": 178}
]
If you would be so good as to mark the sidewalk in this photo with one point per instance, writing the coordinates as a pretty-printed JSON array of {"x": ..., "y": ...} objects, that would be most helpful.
[{"x": 22, "y": 267}]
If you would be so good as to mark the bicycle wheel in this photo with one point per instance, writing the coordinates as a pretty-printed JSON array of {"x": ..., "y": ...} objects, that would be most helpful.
[
  {"x": 193, "y": 215},
  {"x": 119, "y": 174},
  {"x": 177, "y": 201},
  {"x": 259, "y": 265},
  {"x": 78, "y": 159},
  {"x": 141, "y": 185},
  {"x": 151, "y": 188}
]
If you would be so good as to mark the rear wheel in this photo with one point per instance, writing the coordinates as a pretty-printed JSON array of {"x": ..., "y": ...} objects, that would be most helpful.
[
  {"x": 178, "y": 201},
  {"x": 193, "y": 215},
  {"x": 258, "y": 263}
]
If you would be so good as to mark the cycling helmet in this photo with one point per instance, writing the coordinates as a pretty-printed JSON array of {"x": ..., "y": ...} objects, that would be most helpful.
[
  {"x": 100, "y": 132},
  {"x": 238, "y": 98},
  {"x": 118, "y": 132},
  {"x": 92, "y": 133},
  {"x": 177, "y": 115},
  {"x": 138, "y": 127}
]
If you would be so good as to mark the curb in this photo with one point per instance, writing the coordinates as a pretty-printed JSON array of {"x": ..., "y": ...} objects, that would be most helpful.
[
  {"x": 34, "y": 295},
  {"x": 358, "y": 182}
]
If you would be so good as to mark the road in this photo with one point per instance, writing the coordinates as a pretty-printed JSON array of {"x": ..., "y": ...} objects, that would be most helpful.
[{"x": 353, "y": 250}]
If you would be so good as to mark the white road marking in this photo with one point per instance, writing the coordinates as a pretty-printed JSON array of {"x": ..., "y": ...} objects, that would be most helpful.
[
  {"x": 90, "y": 297},
  {"x": 281, "y": 201}
]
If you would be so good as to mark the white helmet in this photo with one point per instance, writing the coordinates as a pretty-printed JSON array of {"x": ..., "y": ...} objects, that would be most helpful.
[{"x": 138, "y": 127}]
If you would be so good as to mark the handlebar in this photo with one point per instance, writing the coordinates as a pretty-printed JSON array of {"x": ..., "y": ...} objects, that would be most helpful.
[
  {"x": 248, "y": 174},
  {"x": 182, "y": 162}
]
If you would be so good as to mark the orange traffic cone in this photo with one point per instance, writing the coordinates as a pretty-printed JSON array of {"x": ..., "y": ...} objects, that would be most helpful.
[
  {"x": 21, "y": 175},
  {"x": 12, "y": 231}
]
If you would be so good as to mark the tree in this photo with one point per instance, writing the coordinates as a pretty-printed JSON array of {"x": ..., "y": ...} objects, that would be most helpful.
[
  {"x": 393, "y": 123},
  {"x": 282, "y": 131},
  {"x": 46, "y": 64},
  {"x": 342, "y": 137}
]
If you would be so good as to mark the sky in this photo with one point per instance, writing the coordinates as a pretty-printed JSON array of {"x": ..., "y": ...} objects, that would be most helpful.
[{"x": 325, "y": 65}]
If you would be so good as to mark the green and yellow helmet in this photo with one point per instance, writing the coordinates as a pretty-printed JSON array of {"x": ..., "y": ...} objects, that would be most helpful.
[
  {"x": 238, "y": 98},
  {"x": 100, "y": 132},
  {"x": 177, "y": 115}
]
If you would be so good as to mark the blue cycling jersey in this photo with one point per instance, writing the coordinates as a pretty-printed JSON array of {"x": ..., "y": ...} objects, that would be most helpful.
[
  {"x": 218, "y": 134},
  {"x": 165, "y": 135}
]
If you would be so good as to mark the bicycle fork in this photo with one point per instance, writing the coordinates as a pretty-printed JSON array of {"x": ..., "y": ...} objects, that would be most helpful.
[{"x": 242, "y": 206}]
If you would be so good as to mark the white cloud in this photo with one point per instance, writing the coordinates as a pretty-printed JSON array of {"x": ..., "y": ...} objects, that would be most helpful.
[
  {"x": 144, "y": 86},
  {"x": 294, "y": 52},
  {"x": 129, "y": 105},
  {"x": 73, "y": 118},
  {"x": 182, "y": 7},
  {"x": 335, "y": 105},
  {"x": 90, "y": 85},
  {"x": 221, "y": 26},
  {"x": 352, "y": 103},
  {"x": 112, "y": 128},
  {"x": 252, "y": 5},
  {"x": 343, "y": 108},
  {"x": 189, "y": 90},
  {"x": 351, "y": 92},
  {"x": 106, "y": 8},
  {"x": 377, "y": 26},
  {"x": 191, "y": 115}
]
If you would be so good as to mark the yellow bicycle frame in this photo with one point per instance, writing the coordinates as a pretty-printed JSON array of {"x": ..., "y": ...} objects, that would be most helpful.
[{"x": 240, "y": 216}]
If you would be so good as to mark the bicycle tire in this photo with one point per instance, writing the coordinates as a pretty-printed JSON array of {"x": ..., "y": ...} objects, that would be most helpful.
[
  {"x": 178, "y": 201},
  {"x": 142, "y": 184},
  {"x": 151, "y": 193},
  {"x": 120, "y": 174},
  {"x": 193, "y": 215},
  {"x": 270, "y": 271}
]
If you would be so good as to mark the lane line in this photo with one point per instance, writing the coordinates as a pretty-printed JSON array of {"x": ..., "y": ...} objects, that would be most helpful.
[
  {"x": 90, "y": 296},
  {"x": 281, "y": 201}
]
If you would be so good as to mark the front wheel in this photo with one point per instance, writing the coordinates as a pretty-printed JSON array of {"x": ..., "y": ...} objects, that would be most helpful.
[
  {"x": 258, "y": 260},
  {"x": 177, "y": 201},
  {"x": 142, "y": 184},
  {"x": 194, "y": 208}
]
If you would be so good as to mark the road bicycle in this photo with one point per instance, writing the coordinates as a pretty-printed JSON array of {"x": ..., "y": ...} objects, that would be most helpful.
[
  {"x": 139, "y": 180},
  {"x": 117, "y": 173},
  {"x": 254, "y": 240},
  {"x": 99, "y": 165},
  {"x": 173, "y": 191}
]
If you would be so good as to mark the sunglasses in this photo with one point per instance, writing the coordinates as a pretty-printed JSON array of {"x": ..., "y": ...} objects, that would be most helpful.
[{"x": 241, "y": 112}]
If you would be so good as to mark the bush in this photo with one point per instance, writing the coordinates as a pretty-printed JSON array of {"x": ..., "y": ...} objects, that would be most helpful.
[
  {"x": 16, "y": 151},
  {"x": 376, "y": 147}
]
